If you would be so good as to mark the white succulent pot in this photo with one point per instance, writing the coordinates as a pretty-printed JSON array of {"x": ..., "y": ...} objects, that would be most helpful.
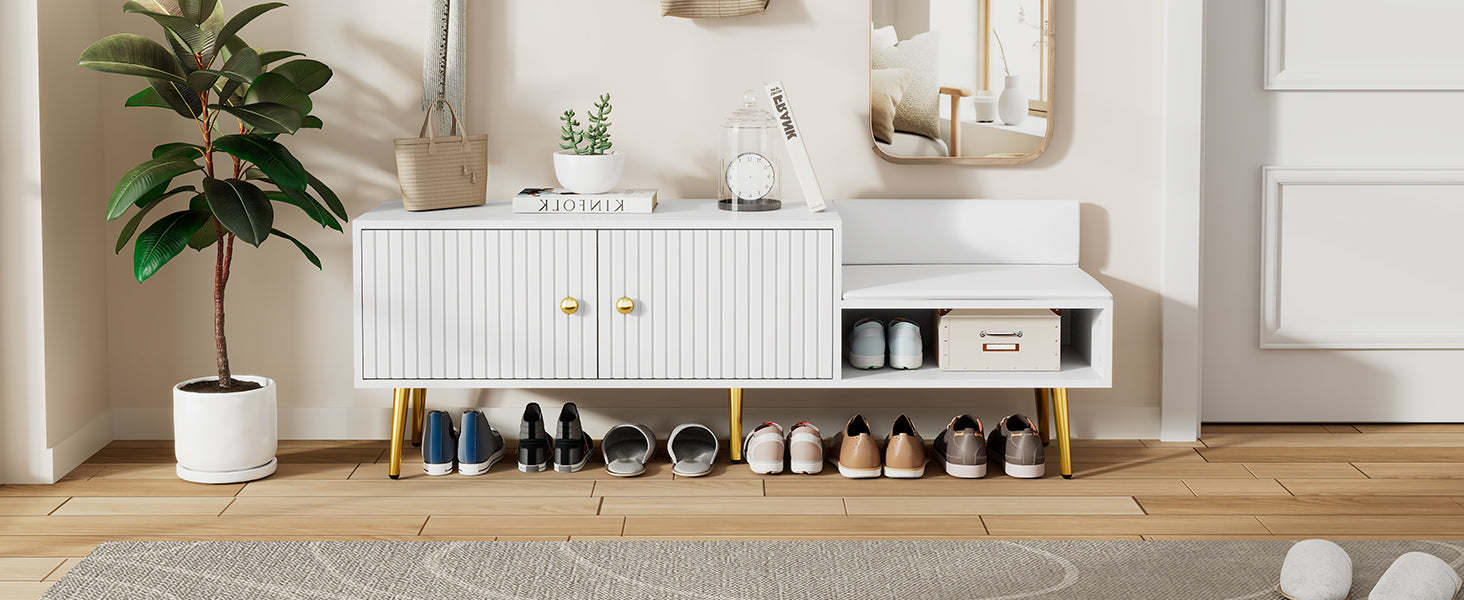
[
  {"x": 1012, "y": 106},
  {"x": 225, "y": 438},
  {"x": 588, "y": 173}
]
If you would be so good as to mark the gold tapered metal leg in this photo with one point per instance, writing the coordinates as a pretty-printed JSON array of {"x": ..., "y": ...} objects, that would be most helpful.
[
  {"x": 398, "y": 423},
  {"x": 734, "y": 421},
  {"x": 419, "y": 414},
  {"x": 1043, "y": 400},
  {"x": 1064, "y": 444}
]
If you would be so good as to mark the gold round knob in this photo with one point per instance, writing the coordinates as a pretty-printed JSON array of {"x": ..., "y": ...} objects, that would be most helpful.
[
  {"x": 624, "y": 305},
  {"x": 569, "y": 305}
]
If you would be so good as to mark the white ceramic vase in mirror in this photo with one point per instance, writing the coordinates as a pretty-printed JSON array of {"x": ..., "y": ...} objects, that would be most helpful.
[{"x": 1013, "y": 103}]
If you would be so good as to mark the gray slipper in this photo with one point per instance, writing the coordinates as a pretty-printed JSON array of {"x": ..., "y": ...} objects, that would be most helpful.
[
  {"x": 1417, "y": 576},
  {"x": 1316, "y": 570},
  {"x": 628, "y": 447},
  {"x": 693, "y": 448}
]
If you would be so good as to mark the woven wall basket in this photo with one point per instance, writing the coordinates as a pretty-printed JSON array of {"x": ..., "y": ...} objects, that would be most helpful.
[
  {"x": 442, "y": 171},
  {"x": 711, "y": 9}
]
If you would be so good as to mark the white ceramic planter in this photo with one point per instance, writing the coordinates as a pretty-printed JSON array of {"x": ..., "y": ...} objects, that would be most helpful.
[
  {"x": 1013, "y": 102},
  {"x": 588, "y": 173},
  {"x": 225, "y": 438}
]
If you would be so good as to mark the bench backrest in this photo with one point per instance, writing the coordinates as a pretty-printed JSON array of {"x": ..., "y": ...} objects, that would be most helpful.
[{"x": 1021, "y": 232}]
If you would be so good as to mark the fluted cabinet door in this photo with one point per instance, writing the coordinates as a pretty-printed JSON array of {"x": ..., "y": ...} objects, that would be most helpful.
[
  {"x": 716, "y": 304},
  {"x": 477, "y": 304}
]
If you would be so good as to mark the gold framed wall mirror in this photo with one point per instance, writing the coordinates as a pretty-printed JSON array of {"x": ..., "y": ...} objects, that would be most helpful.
[{"x": 960, "y": 81}]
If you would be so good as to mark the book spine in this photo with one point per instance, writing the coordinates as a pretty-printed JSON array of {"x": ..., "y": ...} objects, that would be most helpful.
[
  {"x": 797, "y": 152},
  {"x": 581, "y": 204}
]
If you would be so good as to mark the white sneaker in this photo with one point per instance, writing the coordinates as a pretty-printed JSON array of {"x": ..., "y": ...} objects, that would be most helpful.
[
  {"x": 865, "y": 345},
  {"x": 805, "y": 449},
  {"x": 904, "y": 344},
  {"x": 764, "y": 449}
]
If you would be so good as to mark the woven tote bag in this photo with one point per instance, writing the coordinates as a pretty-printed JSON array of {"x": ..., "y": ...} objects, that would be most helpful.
[
  {"x": 711, "y": 9},
  {"x": 450, "y": 171}
]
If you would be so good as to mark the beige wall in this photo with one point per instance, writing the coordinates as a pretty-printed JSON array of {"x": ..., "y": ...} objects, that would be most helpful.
[
  {"x": 673, "y": 80},
  {"x": 75, "y": 195}
]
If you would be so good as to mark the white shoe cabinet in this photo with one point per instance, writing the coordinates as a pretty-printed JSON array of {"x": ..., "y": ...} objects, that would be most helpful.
[{"x": 694, "y": 297}]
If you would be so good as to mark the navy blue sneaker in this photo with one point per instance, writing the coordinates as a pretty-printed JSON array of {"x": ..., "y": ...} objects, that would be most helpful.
[
  {"x": 439, "y": 444},
  {"x": 533, "y": 450},
  {"x": 479, "y": 444},
  {"x": 572, "y": 446}
]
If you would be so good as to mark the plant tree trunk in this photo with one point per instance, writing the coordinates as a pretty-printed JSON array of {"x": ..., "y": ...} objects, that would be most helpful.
[{"x": 223, "y": 257}]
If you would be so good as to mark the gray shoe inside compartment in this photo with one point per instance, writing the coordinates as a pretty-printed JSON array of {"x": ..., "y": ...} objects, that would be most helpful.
[
  {"x": 625, "y": 450},
  {"x": 695, "y": 449}
]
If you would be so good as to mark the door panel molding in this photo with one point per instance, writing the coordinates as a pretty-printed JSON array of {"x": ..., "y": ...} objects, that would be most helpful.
[
  {"x": 1394, "y": 37},
  {"x": 1392, "y": 240}
]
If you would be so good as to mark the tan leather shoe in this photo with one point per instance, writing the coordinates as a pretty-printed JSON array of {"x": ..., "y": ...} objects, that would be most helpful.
[
  {"x": 855, "y": 451},
  {"x": 904, "y": 451}
]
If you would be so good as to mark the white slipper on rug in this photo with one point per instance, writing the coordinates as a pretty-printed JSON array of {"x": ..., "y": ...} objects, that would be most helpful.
[
  {"x": 1316, "y": 570},
  {"x": 1417, "y": 576}
]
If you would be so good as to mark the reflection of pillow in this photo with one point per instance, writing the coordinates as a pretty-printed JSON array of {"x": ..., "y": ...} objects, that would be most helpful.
[
  {"x": 919, "y": 111},
  {"x": 886, "y": 89},
  {"x": 882, "y": 38}
]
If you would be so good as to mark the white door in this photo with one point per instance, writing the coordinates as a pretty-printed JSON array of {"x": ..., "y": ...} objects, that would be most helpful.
[{"x": 1332, "y": 283}]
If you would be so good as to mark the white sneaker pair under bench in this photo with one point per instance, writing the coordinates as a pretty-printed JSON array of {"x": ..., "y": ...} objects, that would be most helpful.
[{"x": 1321, "y": 570}]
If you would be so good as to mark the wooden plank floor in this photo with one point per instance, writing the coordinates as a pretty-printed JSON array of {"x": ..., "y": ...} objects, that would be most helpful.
[{"x": 1239, "y": 481}]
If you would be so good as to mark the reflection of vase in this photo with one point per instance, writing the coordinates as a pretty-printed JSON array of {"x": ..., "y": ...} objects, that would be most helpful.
[{"x": 1013, "y": 103}]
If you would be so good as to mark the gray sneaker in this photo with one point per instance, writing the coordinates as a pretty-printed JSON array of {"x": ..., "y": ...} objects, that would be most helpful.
[
  {"x": 961, "y": 447},
  {"x": 1018, "y": 446}
]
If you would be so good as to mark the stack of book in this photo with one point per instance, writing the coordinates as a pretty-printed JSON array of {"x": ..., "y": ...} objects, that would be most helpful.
[{"x": 560, "y": 201}]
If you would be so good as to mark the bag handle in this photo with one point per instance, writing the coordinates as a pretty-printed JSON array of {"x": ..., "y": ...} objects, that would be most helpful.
[{"x": 429, "y": 128}]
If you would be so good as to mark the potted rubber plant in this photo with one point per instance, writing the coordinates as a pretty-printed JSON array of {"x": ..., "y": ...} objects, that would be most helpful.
[
  {"x": 214, "y": 190},
  {"x": 585, "y": 164}
]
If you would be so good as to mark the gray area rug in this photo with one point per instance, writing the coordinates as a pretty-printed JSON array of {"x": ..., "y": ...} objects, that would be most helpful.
[{"x": 844, "y": 570}]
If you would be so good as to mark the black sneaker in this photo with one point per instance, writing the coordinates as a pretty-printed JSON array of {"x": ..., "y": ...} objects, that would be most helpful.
[
  {"x": 572, "y": 446},
  {"x": 533, "y": 450}
]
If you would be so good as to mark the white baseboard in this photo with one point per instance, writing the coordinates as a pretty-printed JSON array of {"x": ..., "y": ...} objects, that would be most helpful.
[
  {"x": 74, "y": 450},
  {"x": 348, "y": 423}
]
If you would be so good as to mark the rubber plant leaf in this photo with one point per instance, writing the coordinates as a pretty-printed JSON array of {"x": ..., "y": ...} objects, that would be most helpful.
[
  {"x": 130, "y": 54},
  {"x": 315, "y": 260},
  {"x": 308, "y": 75},
  {"x": 197, "y": 10},
  {"x": 273, "y": 87},
  {"x": 204, "y": 79},
  {"x": 242, "y": 208},
  {"x": 186, "y": 30},
  {"x": 206, "y": 235},
  {"x": 184, "y": 149},
  {"x": 328, "y": 196},
  {"x": 269, "y": 156},
  {"x": 131, "y": 226},
  {"x": 308, "y": 204},
  {"x": 163, "y": 240},
  {"x": 147, "y": 97},
  {"x": 311, "y": 122},
  {"x": 265, "y": 117},
  {"x": 144, "y": 178},
  {"x": 277, "y": 55},
  {"x": 244, "y": 65},
  {"x": 244, "y": 17},
  {"x": 179, "y": 97}
]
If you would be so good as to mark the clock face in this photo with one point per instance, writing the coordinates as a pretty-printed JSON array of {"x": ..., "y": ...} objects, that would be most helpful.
[{"x": 750, "y": 176}]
